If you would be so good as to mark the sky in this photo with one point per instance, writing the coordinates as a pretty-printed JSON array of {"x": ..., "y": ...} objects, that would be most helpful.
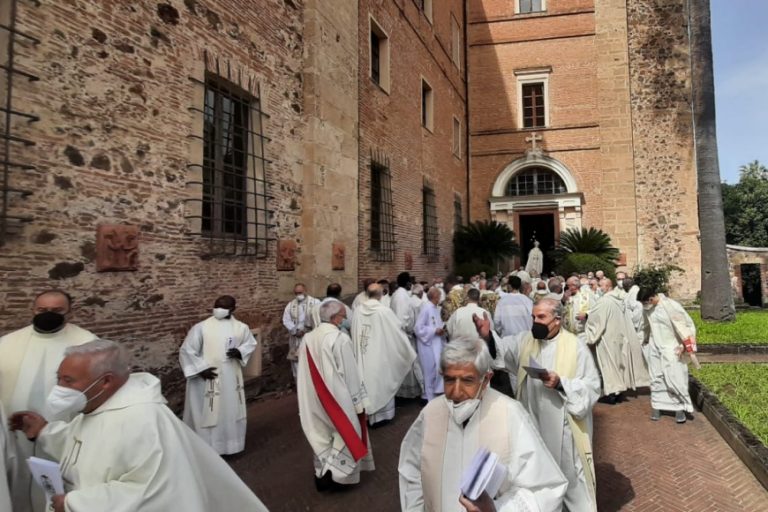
[{"x": 740, "y": 47}]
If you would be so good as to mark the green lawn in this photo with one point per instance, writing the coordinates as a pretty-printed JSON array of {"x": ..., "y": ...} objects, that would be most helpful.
[
  {"x": 749, "y": 327},
  {"x": 742, "y": 388}
]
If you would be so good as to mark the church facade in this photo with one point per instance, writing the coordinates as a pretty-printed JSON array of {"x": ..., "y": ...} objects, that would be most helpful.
[{"x": 161, "y": 153}]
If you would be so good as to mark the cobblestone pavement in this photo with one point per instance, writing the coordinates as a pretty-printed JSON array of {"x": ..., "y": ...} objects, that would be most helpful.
[{"x": 641, "y": 465}]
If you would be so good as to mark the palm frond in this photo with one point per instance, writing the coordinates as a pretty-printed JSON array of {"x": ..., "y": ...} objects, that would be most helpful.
[{"x": 485, "y": 241}]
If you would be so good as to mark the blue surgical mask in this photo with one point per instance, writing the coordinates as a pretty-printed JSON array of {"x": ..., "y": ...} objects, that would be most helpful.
[{"x": 346, "y": 325}]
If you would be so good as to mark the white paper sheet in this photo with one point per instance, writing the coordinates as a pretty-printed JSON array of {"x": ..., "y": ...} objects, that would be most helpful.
[
  {"x": 534, "y": 369},
  {"x": 47, "y": 475}
]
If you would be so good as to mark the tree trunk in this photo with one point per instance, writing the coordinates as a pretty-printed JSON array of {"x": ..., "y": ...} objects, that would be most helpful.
[{"x": 716, "y": 298}]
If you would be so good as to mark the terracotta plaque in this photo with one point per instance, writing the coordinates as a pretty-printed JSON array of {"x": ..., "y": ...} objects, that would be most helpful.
[
  {"x": 117, "y": 248},
  {"x": 338, "y": 256},
  {"x": 622, "y": 259},
  {"x": 408, "y": 261},
  {"x": 286, "y": 254}
]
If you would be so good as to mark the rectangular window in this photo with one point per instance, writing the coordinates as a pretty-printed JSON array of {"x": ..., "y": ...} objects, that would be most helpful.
[
  {"x": 379, "y": 55},
  {"x": 427, "y": 105},
  {"x": 455, "y": 42},
  {"x": 382, "y": 216},
  {"x": 458, "y": 218},
  {"x": 529, "y": 6},
  {"x": 456, "y": 138},
  {"x": 425, "y": 6},
  {"x": 429, "y": 232},
  {"x": 533, "y": 105}
]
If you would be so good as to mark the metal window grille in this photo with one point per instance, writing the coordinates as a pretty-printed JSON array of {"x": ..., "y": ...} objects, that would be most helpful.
[
  {"x": 382, "y": 214},
  {"x": 430, "y": 236},
  {"x": 533, "y": 105},
  {"x": 536, "y": 181},
  {"x": 458, "y": 218},
  {"x": 527, "y": 6},
  {"x": 375, "y": 57},
  {"x": 10, "y": 37},
  {"x": 234, "y": 209}
]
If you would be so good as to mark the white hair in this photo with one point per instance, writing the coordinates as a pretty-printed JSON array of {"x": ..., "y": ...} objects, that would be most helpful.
[
  {"x": 105, "y": 356},
  {"x": 329, "y": 309},
  {"x": 464, "y": 351},
  {"x": 417, "y": 289},
  {"x": 555, "y": 305}
]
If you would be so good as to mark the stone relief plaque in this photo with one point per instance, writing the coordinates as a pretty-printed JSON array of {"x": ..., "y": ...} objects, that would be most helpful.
[
  {"x": 117, "y": 248},
  {"x": 408, "y": 261},
  {"x": 286, "y": 255},
  {"x": 338, "y": 256}
]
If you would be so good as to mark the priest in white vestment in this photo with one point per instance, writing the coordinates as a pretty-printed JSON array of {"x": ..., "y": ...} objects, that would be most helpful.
[
  {"x": 513, "y": 311},
  {"x": 332, "y": 401},
  {"x": 460, "y": 324},
  {"x": 580, "y": 301},
  {"x": 383, "y": 352},
  {"x": 559, "y": 400},
  {"x": 332, "y": 292},
  {"x": 607, "y": 330},
  {"x": 635, "y": 309},
  {"x": 28, "y": 361},
  {"x": 418, "y": 299},
  {"x": 430, "y": 339},
  {"x": 363, "y": 295},
  {"x": 669, "y": 333},
  {"x": 8, "y": 462},
  {"x": 125, "y": 451},
  {"x": 451, "y": 429},
  {"x": 212, "y": 358},
  {"x": 413, "y": 385},
  {"x": 297, "y": 318}
]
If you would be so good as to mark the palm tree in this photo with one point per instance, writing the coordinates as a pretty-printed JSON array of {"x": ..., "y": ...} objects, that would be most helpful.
[
  {"x": 753, "y": 169},
  {"x": 487, "y": 242},
  {"x": 586, "y": 241},
  {"x": 716, "y": 299}
]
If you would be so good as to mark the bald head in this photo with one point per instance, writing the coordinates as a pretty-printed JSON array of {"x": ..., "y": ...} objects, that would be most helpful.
[
  {"x": 57, "y": 301},
  {"x": 374, "y": 291}
]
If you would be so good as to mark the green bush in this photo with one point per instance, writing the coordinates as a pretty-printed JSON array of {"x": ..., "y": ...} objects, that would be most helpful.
[
  {"x": 472, "y": 268},
  {"x": 585, "y": 241},
  {"x": 582, "y": 263}
]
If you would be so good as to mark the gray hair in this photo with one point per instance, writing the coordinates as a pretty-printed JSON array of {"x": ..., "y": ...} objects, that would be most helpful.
[
  {"x": 463, "y": 351},
  {"x": 558, "y": 310},
  {"x": 329, "y": 309},
  {"x": 105, "y": 356},
  {"x": 417, "y": 289}
]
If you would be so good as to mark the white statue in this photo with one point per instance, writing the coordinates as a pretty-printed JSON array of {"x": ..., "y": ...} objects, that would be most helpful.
[{"x": 535, "y": 261}]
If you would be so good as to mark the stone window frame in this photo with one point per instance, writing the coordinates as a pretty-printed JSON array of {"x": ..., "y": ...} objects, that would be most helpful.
[
  {"x": 518, "y": 9},
  {"x": 458, "y": 212},
  {"x": 382, "y": 219},
  {"x": 455, "y": 42},
  {"x": 374, "y": 27},
  {"x": 456, "y": 138},
  {"x": 533, "y": 76},
  {"x": 427, "y": 104},
  {"x": 425, "y": 6}
]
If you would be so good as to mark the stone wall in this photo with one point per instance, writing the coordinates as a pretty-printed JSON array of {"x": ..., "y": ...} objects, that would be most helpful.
[{"x": 738, "y": 256}]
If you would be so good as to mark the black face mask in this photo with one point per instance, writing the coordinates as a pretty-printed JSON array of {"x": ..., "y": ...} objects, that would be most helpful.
[
  {"x": 540, "y": 331},
  {"x": 48, "y": 321}
]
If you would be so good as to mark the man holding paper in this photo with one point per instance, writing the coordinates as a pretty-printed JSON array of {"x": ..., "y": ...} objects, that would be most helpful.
[
  {"x": 212, "y": 358},
  {"x": 125, "y": 450},
  {"x": 558, "y": 384},
  {"x": 332, "y": 401},
  {"x": 436, "y": 452}
]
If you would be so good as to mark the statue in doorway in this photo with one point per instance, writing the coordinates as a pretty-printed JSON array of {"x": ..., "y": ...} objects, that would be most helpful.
[{"x": 535, "y": 261}]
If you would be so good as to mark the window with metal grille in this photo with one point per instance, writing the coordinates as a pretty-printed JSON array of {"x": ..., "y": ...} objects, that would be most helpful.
[
  {"x": 429, "y": 232},
  {"x": 536, "y": 181},
  {"x": 233, "y": 210},
  {"x": 382, "y": 215},
  {"x": 533, "y": 105},
  {"x": 527, "y": 6},
  {"x": 458, "y": 219}
]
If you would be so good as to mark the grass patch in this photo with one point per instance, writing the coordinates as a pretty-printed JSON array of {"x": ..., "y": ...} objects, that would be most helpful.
[
  {"x": 749, "y": 327},
  {"x": 743, "y": 389}
]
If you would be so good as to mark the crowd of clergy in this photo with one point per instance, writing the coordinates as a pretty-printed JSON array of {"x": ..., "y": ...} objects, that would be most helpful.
[{"x": 512, "y": 364}]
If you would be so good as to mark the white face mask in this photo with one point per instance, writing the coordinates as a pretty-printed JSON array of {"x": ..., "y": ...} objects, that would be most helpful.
[
  {"x": 463, "y": 411},
  {"x": 220, "y": 313},
  {"x": 648, "y": 307},
  {"x": 300, "y": 297},
  {"x": 439, "y": 286},
  {"x": 65, "y": 401},
  {"x": 620, "y": 283}
]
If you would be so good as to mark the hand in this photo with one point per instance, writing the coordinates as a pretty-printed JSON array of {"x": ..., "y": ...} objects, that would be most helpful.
[
  {"x": 483, "y": 326},
  {"x": 233, "y": 353},
  {"x": 208, "y": 374},
  {"x": 300, "y": 333},
  {"x": 28, "y": 422},
  {"x": 483, "y": 504},
  {"x": 550, "y": 379},
  {"x": 58, "y": 502},
  {"x": 439, "y": 331}
]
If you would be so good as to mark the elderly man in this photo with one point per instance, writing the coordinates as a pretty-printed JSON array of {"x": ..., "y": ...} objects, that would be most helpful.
[
  {"x": 297, "y": 318},
  {"x": 560, "y": 397},
  {"x": 125, "y": 450},
  {"x": 383, "y": 352},
  {"x": 363, "y": 295},
  {"x": 580, "y": 300},
  {"x": 430, "y": 338},
  {"x": 418, "y": 299},
  {"x": 332, "y": 292},
  {"x": 513, "y": 312},
  {"x": 449, "y": 431},
  {"x": 28, "y": 361},
  {"x": 332, "y": 401},
  {"x": 460, "y": 324},
  {"x": 401, "y": 304},
  {"x": 212, "y": 358}
]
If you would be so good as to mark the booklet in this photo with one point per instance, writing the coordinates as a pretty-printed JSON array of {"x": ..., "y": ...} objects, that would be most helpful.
[
  {"x": 47, "y": 475},
  {"x": 484, "y": 474},
  {"x": 534, "y": 369}
]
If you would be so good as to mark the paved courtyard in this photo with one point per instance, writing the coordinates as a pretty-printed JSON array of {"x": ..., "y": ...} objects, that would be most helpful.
[{"x": 641, "y": 465}]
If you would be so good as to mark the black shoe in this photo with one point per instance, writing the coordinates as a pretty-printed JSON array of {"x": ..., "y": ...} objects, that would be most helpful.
[{"x": 325, "y": 483}]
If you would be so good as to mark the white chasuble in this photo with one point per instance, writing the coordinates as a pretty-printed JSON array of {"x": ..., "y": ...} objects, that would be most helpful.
[
  {"x": 461, "y": 324},
  {"x": 8, "y": 462},
  {"x": 436, "y": 451},
  {"x": 607, "y": 329},
  {"x": 430, "y": 346},
  {"x": 332, "y": 422},
  {"x": 215, "y": 408},
  {"x": 133, "y": 454}
]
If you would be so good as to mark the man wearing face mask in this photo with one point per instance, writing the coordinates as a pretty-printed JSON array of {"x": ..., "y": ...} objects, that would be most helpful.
[
  {"x": 297, "y": 318},
  {"x": 28, "y": 361},
  {"x": 560, "y": 400},
  {"x": 212, "y": 357},
  {"x": 449, "y": 431},
  {"x": 332, "y": 401},
  {"x": 125, "y": 450}
]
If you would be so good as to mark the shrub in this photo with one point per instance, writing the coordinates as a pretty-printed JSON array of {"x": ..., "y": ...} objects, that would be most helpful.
[
  {"x": 583, "y": 263},
  {"x": 585, "y": 241}
]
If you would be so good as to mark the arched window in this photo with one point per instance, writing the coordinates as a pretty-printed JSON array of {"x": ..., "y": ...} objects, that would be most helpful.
[{"x": 536, "y": 181}]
